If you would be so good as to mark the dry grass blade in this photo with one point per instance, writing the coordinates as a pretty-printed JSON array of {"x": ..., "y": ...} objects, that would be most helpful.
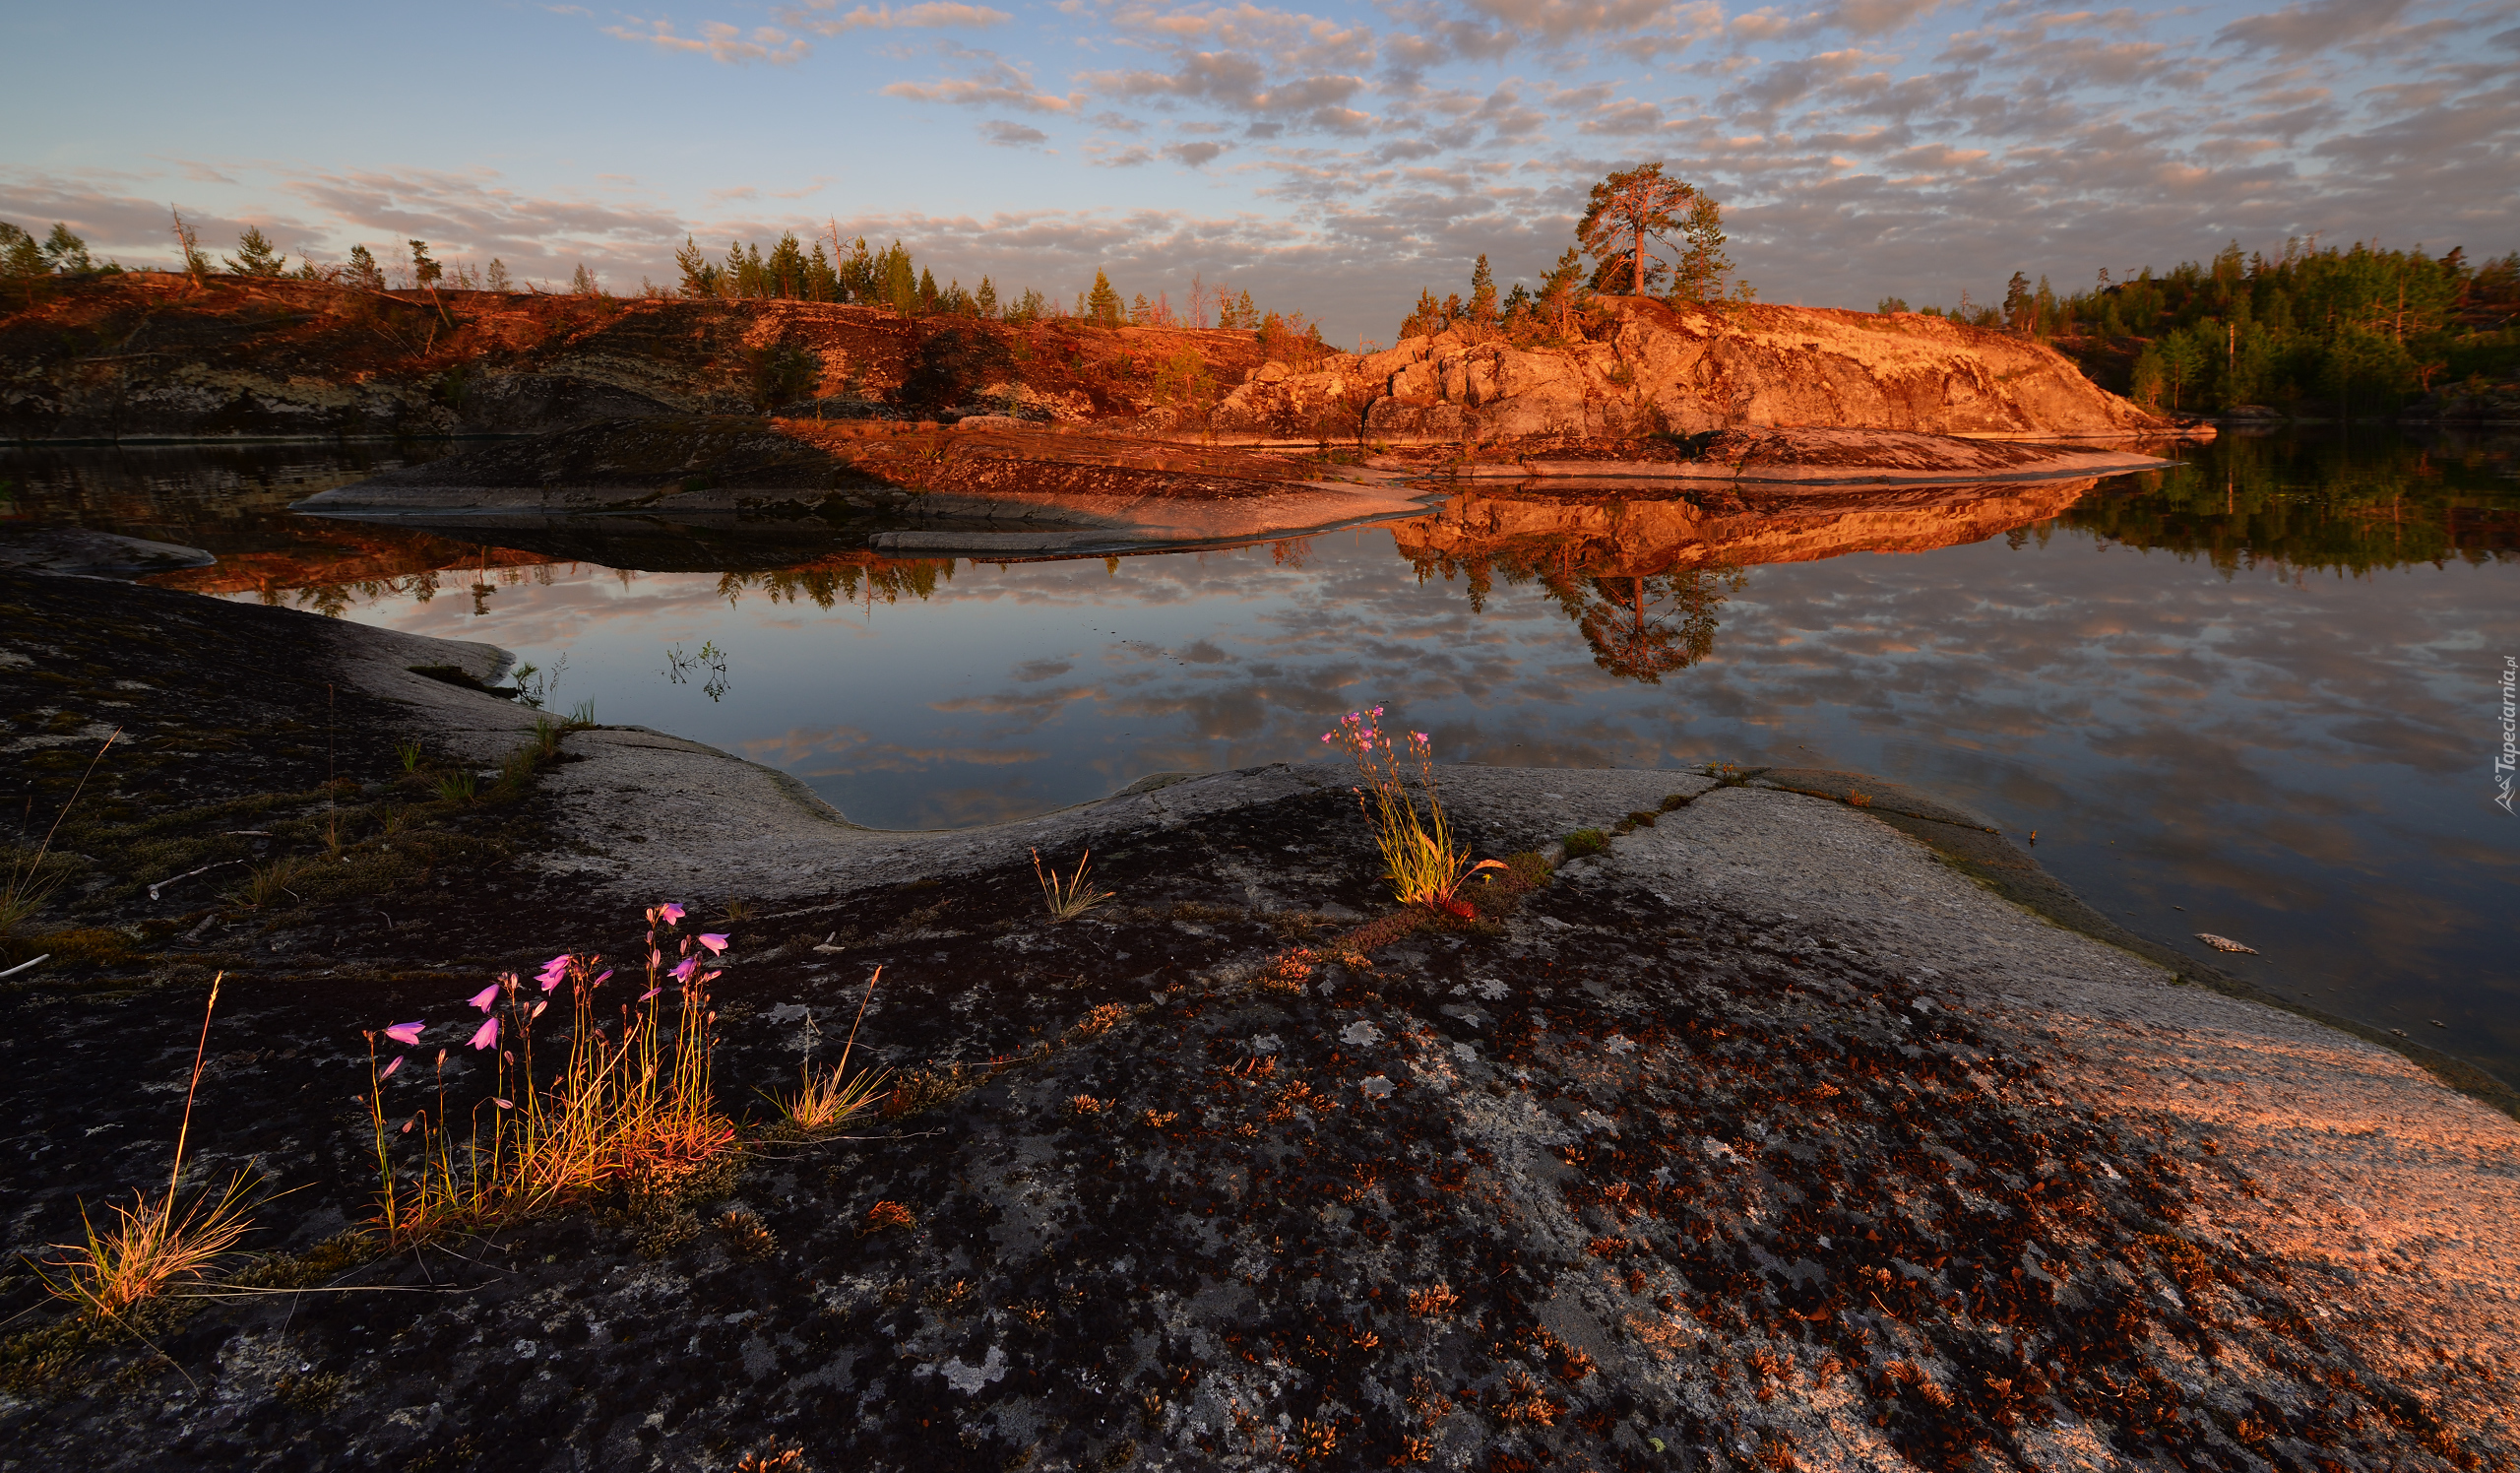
[
  {"x": 152, "y": 1247},
  {"x": 23, "y": 895},
  {"x": 1068, "y": 897},
  {"x": 829, "y": 1101},
  {"x": 832, "y": 1100},
  {"x": 149, "y": 1249}
]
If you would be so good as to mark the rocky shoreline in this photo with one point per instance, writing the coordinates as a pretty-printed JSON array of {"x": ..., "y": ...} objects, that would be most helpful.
[
  {"x": 1803, "y": 1125},
  {"x": 993, "y": 485}
]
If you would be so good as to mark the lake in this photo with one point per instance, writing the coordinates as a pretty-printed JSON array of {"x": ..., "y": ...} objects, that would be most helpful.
[{"x": 2254, "y": 694}]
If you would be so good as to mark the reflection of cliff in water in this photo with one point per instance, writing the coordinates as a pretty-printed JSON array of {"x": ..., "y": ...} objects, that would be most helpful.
[
  {"x": 2302, "y": 506},
  {"x": 1642, "y": 576}
]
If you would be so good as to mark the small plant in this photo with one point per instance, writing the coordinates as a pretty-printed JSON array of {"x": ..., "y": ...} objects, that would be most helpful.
[
  {"x": 581, "y": 716},
  {"x": 152, "y": 1246},
  {"x": 458, "y": 787},
  {"x": 1426, "y": 867},
  {"x": 738, "y": 912},
  {"x": 1068, "y": 897},
  {"x": 631, "y": 1107},
  {"x": 1860, "y": 800},
  {"x": 546, "y": 736},
  {"x": 1586, "y": 840},
  {"x": 831, "y": 1101},
  {"x": 409, "y": 749},
  {"x": 24, "y": 893},
  {"x": 265, "y": 884}
]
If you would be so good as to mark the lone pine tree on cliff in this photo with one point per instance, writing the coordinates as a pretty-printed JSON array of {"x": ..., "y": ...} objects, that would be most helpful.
[{"x": 1635, "y": 207}]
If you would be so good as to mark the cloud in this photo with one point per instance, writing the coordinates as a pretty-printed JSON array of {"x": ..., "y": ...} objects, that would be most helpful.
[
  {"x": 1008, "y": 135},
  {"x": 1196, "y": 155},
  {"x": 930, "y": 15},
  {"x": 719, "y": 41},
  {"x": 2299, "y": 31},
  {"x": 995, "y": 85}
]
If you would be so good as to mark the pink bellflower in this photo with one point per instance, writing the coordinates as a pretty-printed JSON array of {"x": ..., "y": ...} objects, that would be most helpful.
[
  {"x": 486, "y": 998},
  {"x": 406, "y": 1033},
  {"x": 671, "y": 913},
  {"x": 717, "y": 945},
  {"x": 683, "y": 971},
  {"x": 487, "y": 1034},
  {"x": 390, "y": 1068}
]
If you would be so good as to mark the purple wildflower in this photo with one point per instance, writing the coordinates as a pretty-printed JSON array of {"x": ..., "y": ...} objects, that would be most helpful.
[
  {"x": 683, "y": 971},
  {"x": 390, "y": 1068},
  {"x": 406, "y": 1033},
  {"x": 671, "y": 913},
  {"x": 717, "y": 945}
]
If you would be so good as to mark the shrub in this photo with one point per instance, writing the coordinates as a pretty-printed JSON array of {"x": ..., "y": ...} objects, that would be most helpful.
[{"x": 1586, "y": 840}]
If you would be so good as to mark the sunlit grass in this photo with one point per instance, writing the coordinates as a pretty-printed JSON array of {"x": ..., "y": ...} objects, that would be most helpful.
[
  {"x": 1067, "y": 896},
  {"x": 152, "y": 1245}
]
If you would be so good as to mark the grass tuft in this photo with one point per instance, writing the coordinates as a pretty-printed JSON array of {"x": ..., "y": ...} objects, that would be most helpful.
[
  {"x": 154, "y": 1245},
  {"x": 1068, "y": 897}
]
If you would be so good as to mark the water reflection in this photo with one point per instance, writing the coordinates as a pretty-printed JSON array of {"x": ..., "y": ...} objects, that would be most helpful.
[{"x": 2247, "y": 695}]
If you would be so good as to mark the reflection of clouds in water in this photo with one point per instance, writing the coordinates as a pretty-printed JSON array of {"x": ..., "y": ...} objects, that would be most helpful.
[{"x": 2272, "y": 753}]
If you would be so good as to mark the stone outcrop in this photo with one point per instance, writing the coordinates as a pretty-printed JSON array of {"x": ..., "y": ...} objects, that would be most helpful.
[{"x": 1636, "y": 366}]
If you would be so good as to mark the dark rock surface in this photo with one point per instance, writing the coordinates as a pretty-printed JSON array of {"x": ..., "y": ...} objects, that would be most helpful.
[{"x": 1640, "y": 1168}]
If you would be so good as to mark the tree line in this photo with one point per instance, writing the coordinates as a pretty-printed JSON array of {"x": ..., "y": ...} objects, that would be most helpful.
[
  {"x": 1646, "y": 235},
  {"x": 856, "y": 273},
  {"x": 2359, "y": 329}
]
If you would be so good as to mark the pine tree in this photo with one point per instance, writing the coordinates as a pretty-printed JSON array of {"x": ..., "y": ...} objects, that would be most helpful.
[
  {"x": 68, "y": 253},
  {"x": 21, "y": 263},
  {"x": 927, "y": 291},
  {"x": 822, "y": 284},
  {"x": 699, "y": 278},
  {"x": 861, "y": 280},
  {"x": 1629, "y": 209},
  {"x": 784, "y": 275},
  {"x": 1102, "y": 304},
  {"x": 253, "y": 256},
  {"x": 2017, "y": 301},
  {"x": 362, "y": 271},
  {"x": 1482, "y": 294},
  {"x": 584, "y": 283},
  {"x": 900, "y": 281},
  {"x": 1245, "y": 314},
  {"x": 1425, "y": 320},
  {"x": 498, "y": 280},
  {"x": 1703, "y": 265},
  {"x": 425, "y": 272},
  {"x": 986, "y": 299}
]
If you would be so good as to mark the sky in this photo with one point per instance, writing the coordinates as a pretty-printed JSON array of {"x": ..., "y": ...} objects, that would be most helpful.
[{"x": 1331, "y": 161}]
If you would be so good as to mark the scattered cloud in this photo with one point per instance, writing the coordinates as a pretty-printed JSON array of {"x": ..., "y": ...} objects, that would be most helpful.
[
  {"x": 814, "y": 16},
  {"x": 1196, "y": 155},
  {"x": 1010, "y": 135},
  {"x": 719, "y": 41}
]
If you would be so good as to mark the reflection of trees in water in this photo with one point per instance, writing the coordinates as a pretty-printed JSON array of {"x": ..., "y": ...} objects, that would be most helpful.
[
  {"x": 1644, "y": 628},
  {"x": 2339, "y": 505},
  {"x": 1641, "y": 627},
  {"x": 832, "y": 581}
]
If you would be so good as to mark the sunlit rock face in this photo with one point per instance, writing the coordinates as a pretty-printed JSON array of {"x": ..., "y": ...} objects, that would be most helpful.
[{"x": 1637, "y": 366}]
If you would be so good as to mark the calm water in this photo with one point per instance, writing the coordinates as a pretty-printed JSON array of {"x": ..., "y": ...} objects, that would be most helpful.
[{"x": 2260, "y": 687}]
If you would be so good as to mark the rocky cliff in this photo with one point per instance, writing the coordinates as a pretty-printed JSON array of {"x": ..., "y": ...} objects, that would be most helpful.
[
  {"x": 1634, "y": 367},
  {"x": 146, "y": 355}
]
